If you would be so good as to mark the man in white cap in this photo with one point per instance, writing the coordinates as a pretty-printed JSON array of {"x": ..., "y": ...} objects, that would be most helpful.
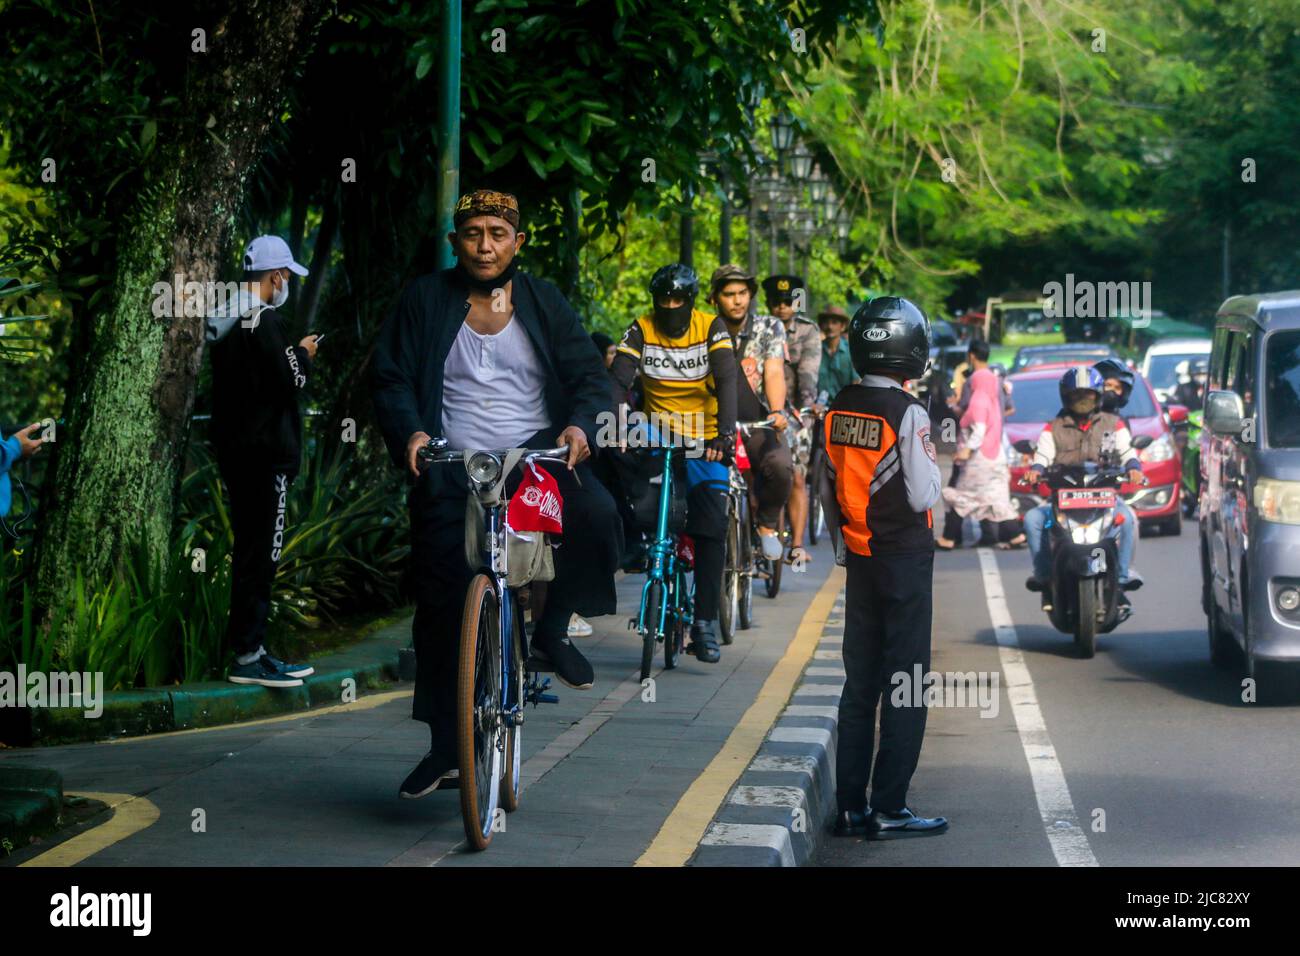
[{"x": 258, "y": 376}]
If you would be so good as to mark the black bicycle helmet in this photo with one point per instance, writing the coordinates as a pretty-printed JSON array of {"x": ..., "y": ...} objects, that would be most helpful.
[{"x": 889, "y": 335}]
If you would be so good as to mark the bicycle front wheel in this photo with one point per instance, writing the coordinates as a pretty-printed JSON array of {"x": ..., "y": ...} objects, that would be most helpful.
[
  {"x": 514, "y": 733},
  {"x": 651, "y": 614},
  {"x": 478, "y": 711},
  {"x": 729, "y": 604}
]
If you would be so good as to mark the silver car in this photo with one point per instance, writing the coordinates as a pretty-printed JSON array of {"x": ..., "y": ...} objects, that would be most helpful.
[{"x": 1250, "y": 491}]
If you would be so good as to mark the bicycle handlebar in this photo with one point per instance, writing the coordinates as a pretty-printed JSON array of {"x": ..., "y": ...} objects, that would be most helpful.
[{"x": 438, "y": 456}]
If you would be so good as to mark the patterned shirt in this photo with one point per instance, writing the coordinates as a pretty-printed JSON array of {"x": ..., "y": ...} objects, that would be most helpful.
[{"x": 762, "y": 337}]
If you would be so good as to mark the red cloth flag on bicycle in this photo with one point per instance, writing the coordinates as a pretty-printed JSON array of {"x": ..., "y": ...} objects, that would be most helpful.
[{"x": 536, "y": 504}]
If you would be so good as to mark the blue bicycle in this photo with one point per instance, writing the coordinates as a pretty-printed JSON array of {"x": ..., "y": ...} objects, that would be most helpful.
[
  {"x": 667, "y": 602},
  {"x": 496, "y": 679}
]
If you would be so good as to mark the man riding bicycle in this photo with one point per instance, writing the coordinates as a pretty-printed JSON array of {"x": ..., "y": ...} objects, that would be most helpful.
[
  {"x": 786, "y": 294},
  {"x": 491, "y": 358},
  {"x": 759, "y": 341},
  {"x": 688, "y": 378},
  {"x": 1082, "y": 433}
]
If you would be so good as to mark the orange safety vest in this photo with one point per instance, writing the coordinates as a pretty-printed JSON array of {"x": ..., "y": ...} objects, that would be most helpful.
[{"x": 862, "y": 444}]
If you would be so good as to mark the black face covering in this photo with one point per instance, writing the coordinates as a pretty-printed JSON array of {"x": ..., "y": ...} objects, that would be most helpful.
[
  {"x": 487, "y": 285},
  {"x": 1110, "y": 402},
  {"x": 673, "y": 322}
]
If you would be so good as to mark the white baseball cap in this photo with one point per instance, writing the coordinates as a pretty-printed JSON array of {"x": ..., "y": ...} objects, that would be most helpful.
[{"x": 270, "y": 252}]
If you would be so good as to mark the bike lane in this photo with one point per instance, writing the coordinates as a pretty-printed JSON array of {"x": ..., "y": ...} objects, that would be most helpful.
[{"x": 604, "y": 768}]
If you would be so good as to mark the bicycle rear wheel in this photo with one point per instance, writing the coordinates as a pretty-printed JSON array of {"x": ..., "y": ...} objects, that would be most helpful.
[
  {"x": 478, "y": 711},
  {"x": 814, "y": 500},
  {"x": 672, "y": 624},
  {"x": 514, "y": 733}
]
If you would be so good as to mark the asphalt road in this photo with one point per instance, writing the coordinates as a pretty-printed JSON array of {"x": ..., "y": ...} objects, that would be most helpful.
[
  {"x": 1164, "y": 764},
  {"x": 1144, "y": 755}
]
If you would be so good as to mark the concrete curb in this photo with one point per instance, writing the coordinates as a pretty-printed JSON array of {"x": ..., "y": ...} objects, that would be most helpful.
[
  {"x": 31, "y": 802},
  {"x": 372, "y": 664},
  {"x": 778, "y": 812}
]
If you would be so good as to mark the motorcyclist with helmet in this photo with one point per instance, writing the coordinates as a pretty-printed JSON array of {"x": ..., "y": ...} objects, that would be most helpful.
[
  {"x": 1084, "y": 431},
  {"x": 1190, "y": 390},
  {"x": 687, "y": 365},
  {"x": 1117, "y": 384},
  {"x": 885, "y": 481}
]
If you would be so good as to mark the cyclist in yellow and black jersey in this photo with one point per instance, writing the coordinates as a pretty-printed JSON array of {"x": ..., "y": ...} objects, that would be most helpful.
[{"x": 688, "y": 379}]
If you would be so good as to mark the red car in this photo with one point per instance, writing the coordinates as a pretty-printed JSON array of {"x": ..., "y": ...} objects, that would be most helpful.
[{"x": 1037, "y": 399}]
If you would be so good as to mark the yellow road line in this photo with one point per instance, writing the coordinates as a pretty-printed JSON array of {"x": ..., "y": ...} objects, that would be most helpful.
[
  {"x": 131, "y": 814},
  {"x": 681, "y": 832},
  {"x": 369, "y": 702}
]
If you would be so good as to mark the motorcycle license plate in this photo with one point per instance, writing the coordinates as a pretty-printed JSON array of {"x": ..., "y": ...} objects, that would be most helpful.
[{"x": 1067, "y": 498}]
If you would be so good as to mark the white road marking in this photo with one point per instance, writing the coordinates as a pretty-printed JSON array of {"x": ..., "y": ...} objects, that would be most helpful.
[
  {"x": 827, "y": 655},
  {"x": 1068, "y": 840},
  {"x": 751, "y": 834}
]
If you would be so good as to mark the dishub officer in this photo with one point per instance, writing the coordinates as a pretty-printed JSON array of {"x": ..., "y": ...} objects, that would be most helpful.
[{"x": 885, "y": 482}]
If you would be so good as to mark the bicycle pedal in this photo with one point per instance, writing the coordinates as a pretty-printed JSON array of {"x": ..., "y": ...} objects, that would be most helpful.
[{"x": 547, "y": 699}]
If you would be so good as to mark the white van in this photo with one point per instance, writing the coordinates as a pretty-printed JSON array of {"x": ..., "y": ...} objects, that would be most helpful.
[{"x": 1160, "y": 364}]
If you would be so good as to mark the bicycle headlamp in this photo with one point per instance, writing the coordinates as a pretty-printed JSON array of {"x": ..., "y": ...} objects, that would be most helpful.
[{"x": 483, "y": 468}]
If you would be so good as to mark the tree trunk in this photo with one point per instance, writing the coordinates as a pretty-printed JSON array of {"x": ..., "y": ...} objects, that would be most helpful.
[
  {"x": 118, "y": 470},
  {"x": 320, "y": 261}
]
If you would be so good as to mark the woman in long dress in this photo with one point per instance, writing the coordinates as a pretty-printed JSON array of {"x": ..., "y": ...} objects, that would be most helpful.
[{"x": 982, "y": 489}]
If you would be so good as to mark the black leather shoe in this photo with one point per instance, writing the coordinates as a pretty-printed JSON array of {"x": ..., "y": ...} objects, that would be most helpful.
[
  {"x": 883, "y": 825},
  {"x": 704, "y": 642},
  {"x": 424, "y": 779},
  {"x": 851, "y": 823},
  {"x": 566, "y": 660},
  {"x": 1033, "y": 584}
]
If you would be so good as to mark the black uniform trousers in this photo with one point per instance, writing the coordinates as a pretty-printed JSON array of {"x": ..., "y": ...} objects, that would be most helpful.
[
  {"x": 887, "y": 612},
  {"x": 585, "y": 562},
  {"x": 258, "y": 497}
]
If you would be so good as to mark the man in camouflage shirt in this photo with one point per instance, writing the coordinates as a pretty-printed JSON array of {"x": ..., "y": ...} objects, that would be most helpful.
[
  {"x": 759, "y": 341},
  {"x": 787, "y": 298}
]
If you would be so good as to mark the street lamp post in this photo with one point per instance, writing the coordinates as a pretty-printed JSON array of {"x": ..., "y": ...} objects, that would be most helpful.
[{"x": 448, "y": 127}]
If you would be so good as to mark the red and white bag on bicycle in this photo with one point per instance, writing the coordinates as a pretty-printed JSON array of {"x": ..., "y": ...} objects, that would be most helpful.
[{"x": 536, "y": 504}]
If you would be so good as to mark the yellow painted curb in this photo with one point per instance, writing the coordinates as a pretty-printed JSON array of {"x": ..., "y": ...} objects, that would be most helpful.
[
  {"x": 681, "y": 832},
  {"x": 131, "y": 814}
]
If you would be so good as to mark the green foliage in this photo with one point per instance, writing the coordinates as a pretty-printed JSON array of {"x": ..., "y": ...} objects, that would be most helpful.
[
  {"x": 979, "y": 126},
  {"x": 344, "y": 555}
]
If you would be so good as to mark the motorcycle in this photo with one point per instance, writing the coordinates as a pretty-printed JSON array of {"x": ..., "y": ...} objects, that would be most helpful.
[
  {"x": 1083, "y": 535},
  {"x": 1190, "y": 445}
]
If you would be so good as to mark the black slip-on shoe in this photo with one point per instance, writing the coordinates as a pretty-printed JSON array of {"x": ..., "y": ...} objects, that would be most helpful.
[
  {"x": 852, "y": 823},
  {"x": 559, "y": 655},
  {"x": 424, "y": 779},
  {"x": 704, "y": 642},
  {"x": 883, "y": 825}
]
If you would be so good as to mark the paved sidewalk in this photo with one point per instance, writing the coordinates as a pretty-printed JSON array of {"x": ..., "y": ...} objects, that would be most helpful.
[{"x": 606, "y": 767}]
